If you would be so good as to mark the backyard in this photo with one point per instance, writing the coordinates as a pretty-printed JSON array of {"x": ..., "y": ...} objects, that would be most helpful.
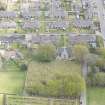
[{"x": 95, "y": 96}]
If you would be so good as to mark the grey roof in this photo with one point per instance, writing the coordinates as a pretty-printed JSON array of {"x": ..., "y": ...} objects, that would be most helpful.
[
  {"x": 61, "y": 50},
  {"x": 30, "y": 14},
  {"x": 43, "y": 38},
  {"x": 60, "y": 14},
  {"x": 56, "y": 3},
  {"x": 82, "y": 23},
  {"x": 11, "y": 39},
  {"x": 58, "y": 25},
  {"x": 31, "y": 24},
  {"x": 74, "y": 39},
  {"x": 8, "y": 14},
  {"x": 8, "y": 24}
]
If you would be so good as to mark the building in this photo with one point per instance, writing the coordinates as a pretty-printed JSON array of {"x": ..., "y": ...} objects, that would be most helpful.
[{"x": 86, "y": 39}]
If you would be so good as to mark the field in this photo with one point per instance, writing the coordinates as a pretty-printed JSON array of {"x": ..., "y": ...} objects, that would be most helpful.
[
  {"x": 41, "y": 73},
  {"x": 11, "y": 80},
  {"x": 96, "y": 96}
]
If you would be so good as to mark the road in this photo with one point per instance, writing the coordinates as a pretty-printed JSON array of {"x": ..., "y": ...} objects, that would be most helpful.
[{"x": 101, "y": 15}]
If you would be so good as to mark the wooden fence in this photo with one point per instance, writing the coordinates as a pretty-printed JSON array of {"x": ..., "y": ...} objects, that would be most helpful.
[{"x": 12, "y": 99}]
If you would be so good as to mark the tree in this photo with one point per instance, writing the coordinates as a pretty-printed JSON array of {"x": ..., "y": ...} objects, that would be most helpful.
[
  {"x": 80, "y": 52},
  {"x": 99, "y": 41},
  {"x": 2, "y": 6},
  {"x": 61, "y": 85},
  {"x": 101, "y": 52},
  {"x": 45, "y": 53}
]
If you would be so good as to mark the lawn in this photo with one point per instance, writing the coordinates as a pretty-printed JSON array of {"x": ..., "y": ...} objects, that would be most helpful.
[
  {"x": 12, "y": 82},
  {"x": 38, "y": 72},
  {"x": 96, "y": 96}
]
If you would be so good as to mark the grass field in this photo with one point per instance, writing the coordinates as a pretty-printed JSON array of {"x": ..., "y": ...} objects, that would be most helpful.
[
  {"x": 39, "y": 72},
  {"x": 12, "y": 82},
  {"x": 96, "y": 96}
]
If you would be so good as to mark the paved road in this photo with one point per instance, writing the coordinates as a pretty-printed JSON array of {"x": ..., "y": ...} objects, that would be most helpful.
[{"x": 101, "y": 15}]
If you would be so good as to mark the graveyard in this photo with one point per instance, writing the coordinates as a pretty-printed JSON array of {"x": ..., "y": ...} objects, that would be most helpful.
[{"x": 52, "y": 52}]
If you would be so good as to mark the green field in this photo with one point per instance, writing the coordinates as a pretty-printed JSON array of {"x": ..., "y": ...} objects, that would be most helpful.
[
  {"x": 12, "y": 82},
  {"x": 96, "y": 96}
]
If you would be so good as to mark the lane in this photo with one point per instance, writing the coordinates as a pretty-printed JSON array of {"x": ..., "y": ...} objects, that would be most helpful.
[{"x": 101, "y": 15}]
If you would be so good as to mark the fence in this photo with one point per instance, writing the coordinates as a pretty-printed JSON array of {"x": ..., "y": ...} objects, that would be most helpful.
[{"x": 12, "y": 99}]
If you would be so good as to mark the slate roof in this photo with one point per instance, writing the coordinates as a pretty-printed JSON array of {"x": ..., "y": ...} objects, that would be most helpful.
[
  {"x": 8, "y": 24},
  {"x": 29, "y": 14},
  {"x": 11, "y": 39},
  {"x": 31, "y": 25},
  {"x": 74, "y": 39},
  {"x": 58, "y": 25},
  {"x": 56, "y": 3},
  {"x": 43, "y": 38},
  {"x": 82, "y": 23},
  {"x": 8, "y": 14},
  {"x": 60, "y": 14}
]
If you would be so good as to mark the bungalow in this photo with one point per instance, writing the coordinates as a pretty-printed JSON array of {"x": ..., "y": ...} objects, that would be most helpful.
[
  {"x": 31, "y": 25},
  {"x": 82, "y": 23},
  {"x": 88, "y": 39},
  {"x": 63, "y": 53},
  {"x": 56, "y": 4},
  {"x": 30, "y": 14},
  {"x": 42, "y": 38},
  {"x": 10, "y": 54},
  {"x": 8, "y": 14},
  {"x": 62, "y": 14},
  {"x": 8, "y": 40},
  {"x": 62, "y": 25},
  {"x": 8, "y": 24}
]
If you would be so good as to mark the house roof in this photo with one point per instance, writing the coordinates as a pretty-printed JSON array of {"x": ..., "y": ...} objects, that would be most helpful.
[
  {"x": 8, "y": 24},
  {"x": 30, "y": 14},
  {"x": 11, "y": 39},
  {"x": 74, "y": 39},
  {"x": 31, "y": 24},
  {"x": 82, "y": 23},
  {"x": 57, "y": 24},
  {"x": 8, "y": 14}
]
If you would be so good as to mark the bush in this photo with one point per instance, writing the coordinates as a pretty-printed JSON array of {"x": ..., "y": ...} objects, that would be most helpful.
[
  {"x": 62, "y": 85},
  {"x": 99, "y": 41},
  {"x": 98, "y": 79},
  {"x": 23, "y": 67},
  {"x": 45, "y": 53}
]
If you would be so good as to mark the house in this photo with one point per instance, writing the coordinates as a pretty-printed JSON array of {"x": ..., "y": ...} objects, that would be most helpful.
[
  {"x": 6, "y": 41},
  {"x": 56, "y": 4},
  {"x": 10, "y": 54},
  {"x": 42, "y": 38},
  {"x": 82, "y": 23},
  {"x": 8, "y": 24},
  {"x": 63, "y": 53},
  {"x": 62, "y": 14},
  {"x": 62, "y": 25},
  {"x": 31, "y": 24},
  {"x": 30, "y": 14},
  {"x": 8, "y": 14},
  {"x": 30, "y": 4},
  {"x": 83, "y": 38}
]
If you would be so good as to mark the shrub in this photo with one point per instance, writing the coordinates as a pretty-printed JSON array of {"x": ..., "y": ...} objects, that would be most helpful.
[
  {"x": 99, "y": 41},
  {"x": 23, "y": 67},
  {"x": 98, "y": 79},
  {"x": 62, "y": 85},
  {"x": 45, "y": 53}
]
